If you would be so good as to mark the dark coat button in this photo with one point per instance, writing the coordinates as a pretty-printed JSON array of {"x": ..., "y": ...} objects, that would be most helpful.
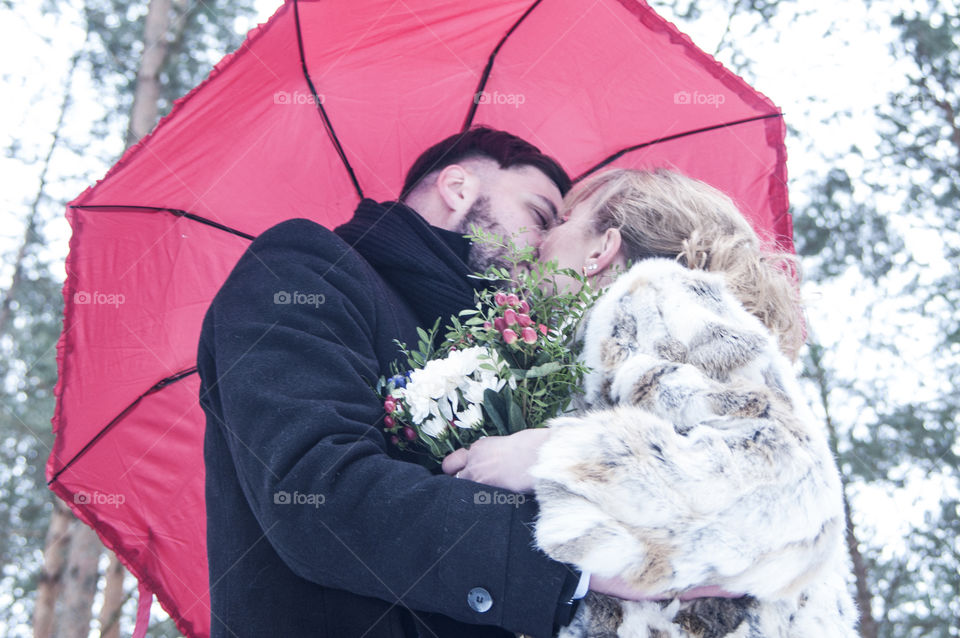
[{"x": 480, "y": 599}]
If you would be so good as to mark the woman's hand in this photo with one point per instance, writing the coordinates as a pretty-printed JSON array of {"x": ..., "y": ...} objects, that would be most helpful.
[
  {"x": 618, "y": 588},
  {"x": 500, "y": 461}
]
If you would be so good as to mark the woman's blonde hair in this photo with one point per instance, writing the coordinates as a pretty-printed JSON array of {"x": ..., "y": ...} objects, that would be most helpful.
[{"x": 662, "y": 213}]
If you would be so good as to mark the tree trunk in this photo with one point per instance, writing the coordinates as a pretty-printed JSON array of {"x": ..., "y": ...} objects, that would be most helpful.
[
  {"x": 158, "y": 31},
  {"x": 113, "y": 599},
  {"x": 51, "y": 578},
  {"x": 868, "y": 625},
  {"x": 58, "y": 544},
  {"x": 72, "y": 550},
  {"x": 79, "y": 583},
  {"x": 76, "y": 582},
  {"x": 146, "y": 95}
]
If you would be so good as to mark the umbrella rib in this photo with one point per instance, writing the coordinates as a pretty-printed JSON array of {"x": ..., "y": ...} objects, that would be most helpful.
[
  {"x": 668, "y": 138},
  {"x": 156, "y": 387},
  {"x": 475, "y": 102},
  {"x": 316, "y": 100},
  {"x": 173, "y": 211}
]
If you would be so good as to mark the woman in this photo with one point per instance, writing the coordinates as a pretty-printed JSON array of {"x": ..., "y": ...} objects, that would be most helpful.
[{"x": 693, "y": 460}]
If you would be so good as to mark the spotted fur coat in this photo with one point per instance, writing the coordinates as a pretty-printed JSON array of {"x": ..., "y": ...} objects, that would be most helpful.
[{"x": 694, "y": 461}]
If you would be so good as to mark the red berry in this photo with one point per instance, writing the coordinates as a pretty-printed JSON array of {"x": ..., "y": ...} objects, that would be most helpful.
[
  {"x": 500, "y": 299},
  {"x": 487, "y": 325},
  {"x": 510, "y": 316},
  {"x": 409, "y": 433},
  {"x": 394, "y": 440},
  {"x": 512, "y": 299},
  {"x": 529, "y": 335},
  {"x": 389, "y": 405},
  {"x": 509, "y": 336},
  {"x": 524, "y": 307},
  {"x": 543, "y": 330},
  {"x": 499, "y": 324},
  {"x": 388, "y": 421},
  {"x": 524, "y": 320}
]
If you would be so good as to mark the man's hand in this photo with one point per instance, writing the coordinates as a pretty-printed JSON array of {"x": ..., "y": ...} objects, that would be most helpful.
[{"x": 500, "y": 461}]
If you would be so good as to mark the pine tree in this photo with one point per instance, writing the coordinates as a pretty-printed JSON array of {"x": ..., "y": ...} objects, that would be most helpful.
[
  {"x": 40, "y": 541},
  {"x": 897, "y": 435},
  {"x": 921, "y": 148}
]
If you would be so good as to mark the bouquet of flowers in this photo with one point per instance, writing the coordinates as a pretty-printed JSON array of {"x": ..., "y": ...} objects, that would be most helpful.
[{"x": 507, "y": 364}]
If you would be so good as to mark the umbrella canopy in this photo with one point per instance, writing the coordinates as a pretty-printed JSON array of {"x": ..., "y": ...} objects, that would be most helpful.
[{"x": 324, "y": 104}]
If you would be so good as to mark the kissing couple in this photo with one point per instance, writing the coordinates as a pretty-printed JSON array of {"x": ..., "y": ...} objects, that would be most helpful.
[{"x": 690, "y": 493}]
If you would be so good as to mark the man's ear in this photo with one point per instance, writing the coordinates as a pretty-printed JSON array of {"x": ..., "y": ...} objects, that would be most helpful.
[
  {"x": 457, "y": 188},
  {"x": 606, "y": 255}
]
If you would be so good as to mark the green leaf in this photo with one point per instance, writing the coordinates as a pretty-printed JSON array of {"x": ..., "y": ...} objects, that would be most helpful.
[
  {"x": 495, "y": 407},
  {"x": 517, "y": 422},
  {"x": 544, "y": 369}
]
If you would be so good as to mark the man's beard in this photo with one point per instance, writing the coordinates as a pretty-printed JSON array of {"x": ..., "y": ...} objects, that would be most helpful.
[{"x": 482, "y": 254}]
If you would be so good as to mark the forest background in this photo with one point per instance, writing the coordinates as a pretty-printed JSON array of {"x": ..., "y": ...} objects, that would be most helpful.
[{"x": 870, "y": 90}]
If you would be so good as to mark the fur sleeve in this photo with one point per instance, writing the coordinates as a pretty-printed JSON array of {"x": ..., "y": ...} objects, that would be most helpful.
[{"x": 697, "y": 465}]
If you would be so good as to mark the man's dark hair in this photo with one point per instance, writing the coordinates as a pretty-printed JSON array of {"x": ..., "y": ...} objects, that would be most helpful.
[{"x": 506, "y": 149}]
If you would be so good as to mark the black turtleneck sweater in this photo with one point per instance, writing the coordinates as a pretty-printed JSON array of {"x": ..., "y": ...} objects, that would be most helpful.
[
  {"x": 425, "y": 265},
  {"x": 315, "y": 524}
]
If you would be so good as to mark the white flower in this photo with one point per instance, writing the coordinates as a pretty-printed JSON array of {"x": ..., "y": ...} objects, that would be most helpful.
[
  {"x": 473, "y": 390},
  {"x": 463, "y": 363},
  {"x": 445, "y": 408},
  {"x": 433, "y": 427},
  {"x": 470, "y": 417},
  {"x": 430, "y": 380},
  {"x": 433, "y": 392},
  {"x": 418, "y": 403}
]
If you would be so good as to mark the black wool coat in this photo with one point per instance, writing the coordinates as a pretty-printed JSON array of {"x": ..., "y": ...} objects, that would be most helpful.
[{"x": 316, "y": 525}]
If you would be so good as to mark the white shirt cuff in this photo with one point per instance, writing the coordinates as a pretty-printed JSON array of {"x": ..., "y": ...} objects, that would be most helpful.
[{"x": 582, "y": 586}]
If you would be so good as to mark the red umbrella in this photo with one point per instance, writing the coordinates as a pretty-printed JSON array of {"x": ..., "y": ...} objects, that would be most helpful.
[{"x": 324, "y": 104}]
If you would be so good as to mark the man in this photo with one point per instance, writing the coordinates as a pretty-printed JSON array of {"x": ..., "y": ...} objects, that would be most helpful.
[{"x": 316, "y": 525}]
